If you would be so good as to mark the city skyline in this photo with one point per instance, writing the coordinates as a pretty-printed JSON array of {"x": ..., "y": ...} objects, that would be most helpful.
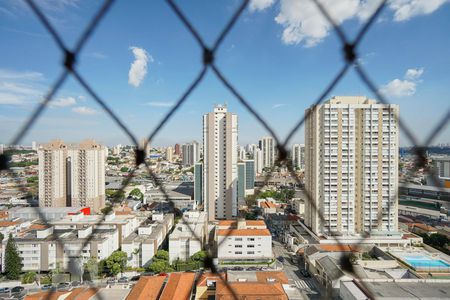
[{"x": 139, "y": 75}]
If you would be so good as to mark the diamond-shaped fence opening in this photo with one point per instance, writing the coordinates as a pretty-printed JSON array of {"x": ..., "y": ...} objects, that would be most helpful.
[{"x": 350, "y": 57}]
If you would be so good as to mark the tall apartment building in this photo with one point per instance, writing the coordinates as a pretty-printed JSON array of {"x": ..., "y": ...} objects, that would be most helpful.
[
  {"x": 267, "y": 146},
  {"x": 72, "y": 175},
  {"x": 169, "y": 154},
  {"x": 246, "y": 179},
  {"x": 441, "y": 166},
  {"x": 190, "y": 153},
  {"x": 298, "y": 156},
  {"x": 351, "y": 169},
  {"x": 177, "y": 149},
  {"x": 145, "y": 144},
  {"x": 258, "y": 158},
  {"x": 220, "y": 142}
]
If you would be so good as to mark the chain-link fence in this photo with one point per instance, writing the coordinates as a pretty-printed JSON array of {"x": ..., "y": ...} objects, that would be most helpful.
[{"x": 350, "y": 58}]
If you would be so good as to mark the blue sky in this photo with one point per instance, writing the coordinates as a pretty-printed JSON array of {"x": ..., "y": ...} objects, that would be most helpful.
[{"x": 280, "y": 55}]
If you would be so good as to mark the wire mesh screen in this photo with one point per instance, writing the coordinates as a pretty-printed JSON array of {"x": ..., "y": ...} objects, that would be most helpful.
[{"x": 351, "y": 60}]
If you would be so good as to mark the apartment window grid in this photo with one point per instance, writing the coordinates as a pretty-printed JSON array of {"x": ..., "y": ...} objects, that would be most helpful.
[{"x": 350, "y": 55}]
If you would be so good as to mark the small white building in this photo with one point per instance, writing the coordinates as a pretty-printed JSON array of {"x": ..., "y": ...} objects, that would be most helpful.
[
  {"x": 243, "y": 241},
  {"x": 188, "y": 236}
]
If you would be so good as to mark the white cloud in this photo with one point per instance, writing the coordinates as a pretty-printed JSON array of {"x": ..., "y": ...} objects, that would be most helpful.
[
  {"x": 303, "y": 22},
  {"x": 98, "y": 55},
  {"x": 159, "y": 104},
  {"x": 256, "y": 5},
  {"x": 84, "y": 110},
  {"x": 406, "y": 9},
  {"x": 63, "y": 102},
  {"x": 412, "y": 74},
  {"x": 402, "y": 88},
  {"x": 26, "y": 75},
  {"x": 138, "y": 68},
  {"x": 278, "y": 105},
  {"x": 18, "y": 88}
]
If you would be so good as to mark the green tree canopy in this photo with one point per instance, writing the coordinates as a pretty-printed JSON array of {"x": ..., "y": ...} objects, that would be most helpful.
[
  {"x": 137, "y": 194},
  {"x": 199, "y": 256},
  {"x": 160, "y": 266},
  {"x": 162, "y": 255},
  {"x": 13, "y": 262},
  {"x": 116, "y": 262}
]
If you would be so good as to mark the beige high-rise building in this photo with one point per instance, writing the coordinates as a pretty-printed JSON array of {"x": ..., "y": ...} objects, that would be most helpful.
[
  {"x": 220, "y": 140},
  {"x": 169, "y": 154},
  {"x": 267, "y": 146},
  {"x": 351, "y": 166},
  {"x": 298, "y": 156},
  {"x": 72, "y": 175}
]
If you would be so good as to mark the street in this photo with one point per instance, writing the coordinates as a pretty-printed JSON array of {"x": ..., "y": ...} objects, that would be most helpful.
[{"x": 307, "y": 285}]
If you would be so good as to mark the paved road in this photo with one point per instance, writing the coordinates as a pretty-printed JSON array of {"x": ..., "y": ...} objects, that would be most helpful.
[{"x": 307, "y": 286}]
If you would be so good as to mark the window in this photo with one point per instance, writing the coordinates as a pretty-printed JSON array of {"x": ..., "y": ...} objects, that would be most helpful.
[
  {"x": 238, "y": 239},
  {"x": 250, "y": 239},
  {"x": 250, "y": 246},
  {"x": 237, "y": 246},
  {"x": 250, "y": 252},
  {"x": 238, "y": 252}
]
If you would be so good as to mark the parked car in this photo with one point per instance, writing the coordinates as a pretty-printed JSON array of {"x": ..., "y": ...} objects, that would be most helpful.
[
  {"x": 305, "y": 273},
  {"x": 237, "y": 269},
  {"x": 64, "y": 286},
  {"x": 148, "y": 274},
  {"x": 18, "y": 290},
  {"x": 76, "y": 284},
  {"x": 111, "y": 281},
  {"x": 123, "y": 280},
  {"x": 281, "y": 258},
  {"x": 135, "y": 278},
  {"x": 252, "y": 269},
  {"x": 5, "y": 290},
  {"x": 46, "y": 287},
  {"x": 89, "y": 282}
]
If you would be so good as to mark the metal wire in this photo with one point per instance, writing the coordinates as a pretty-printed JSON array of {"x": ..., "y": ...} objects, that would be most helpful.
[{"x": 350, "y": 59}]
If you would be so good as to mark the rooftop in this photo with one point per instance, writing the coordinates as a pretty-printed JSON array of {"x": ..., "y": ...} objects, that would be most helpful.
[{"x": 243, "y": 232}]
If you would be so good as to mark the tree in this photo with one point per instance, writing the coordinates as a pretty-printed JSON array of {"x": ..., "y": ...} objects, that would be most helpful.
[
  {"x": 1, "y": 237},
  {"x": 29, "y": 277},
  {"x": 160, "y": 266},
  {"x": 162, "y": 255},
  {"x": 13, "y": 262},
  {"x": 91, "y": 267},
  {"x": 137, "y": 194},
  {"x": 199, "y": 256},
  {"x": 124, "y": 169},
  {"x": 116, "y": 262}
]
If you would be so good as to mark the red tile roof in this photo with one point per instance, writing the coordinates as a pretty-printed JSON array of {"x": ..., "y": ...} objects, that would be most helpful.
[
  {"x": 179, "y": 286},
  {"x": 147, "y": 288},
  {"x": 250, "y": 290},
  {"x": 244, "y": 232}
]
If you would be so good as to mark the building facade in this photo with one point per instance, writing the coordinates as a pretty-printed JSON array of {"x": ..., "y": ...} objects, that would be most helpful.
[
  {"x": 190, "y": 153},
  {"x": 351, "y": 169},
  {"x": 267, "y": 146},
  {"x": 189, "y": 236},
  {"x": 298, "y": 156},
  {"x": 220, "y": 140},
  {"x": 243, "y": 241},
  {"x": 72, "y": 175}
]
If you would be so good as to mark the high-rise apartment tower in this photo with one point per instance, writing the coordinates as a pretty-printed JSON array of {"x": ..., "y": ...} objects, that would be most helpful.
[{"x": 351, "y": 169}]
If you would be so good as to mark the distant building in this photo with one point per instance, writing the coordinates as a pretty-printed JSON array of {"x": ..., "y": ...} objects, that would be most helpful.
[
  {"x": 33, "y": 146},
  {"x": 351, "y": 169},
  {"x": 72, "y": 175},
  {"x": 246, "y": 241},
  {"x": 298, "y": 156},
  {"x": 267, "y": 146},
  {"x": 220, "y": 136},
  {"x": 441, "y": 165},
  {"x": 169, "y": 154},
  {"x": 246, "y": 179},
  {"x": 258, "y": 158},
  {"x": 190, "y": 153},
  {"x": 145, "y": 145},
  {"x": 177, "y": 149},
  {"x": 189, "y": 236}
]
